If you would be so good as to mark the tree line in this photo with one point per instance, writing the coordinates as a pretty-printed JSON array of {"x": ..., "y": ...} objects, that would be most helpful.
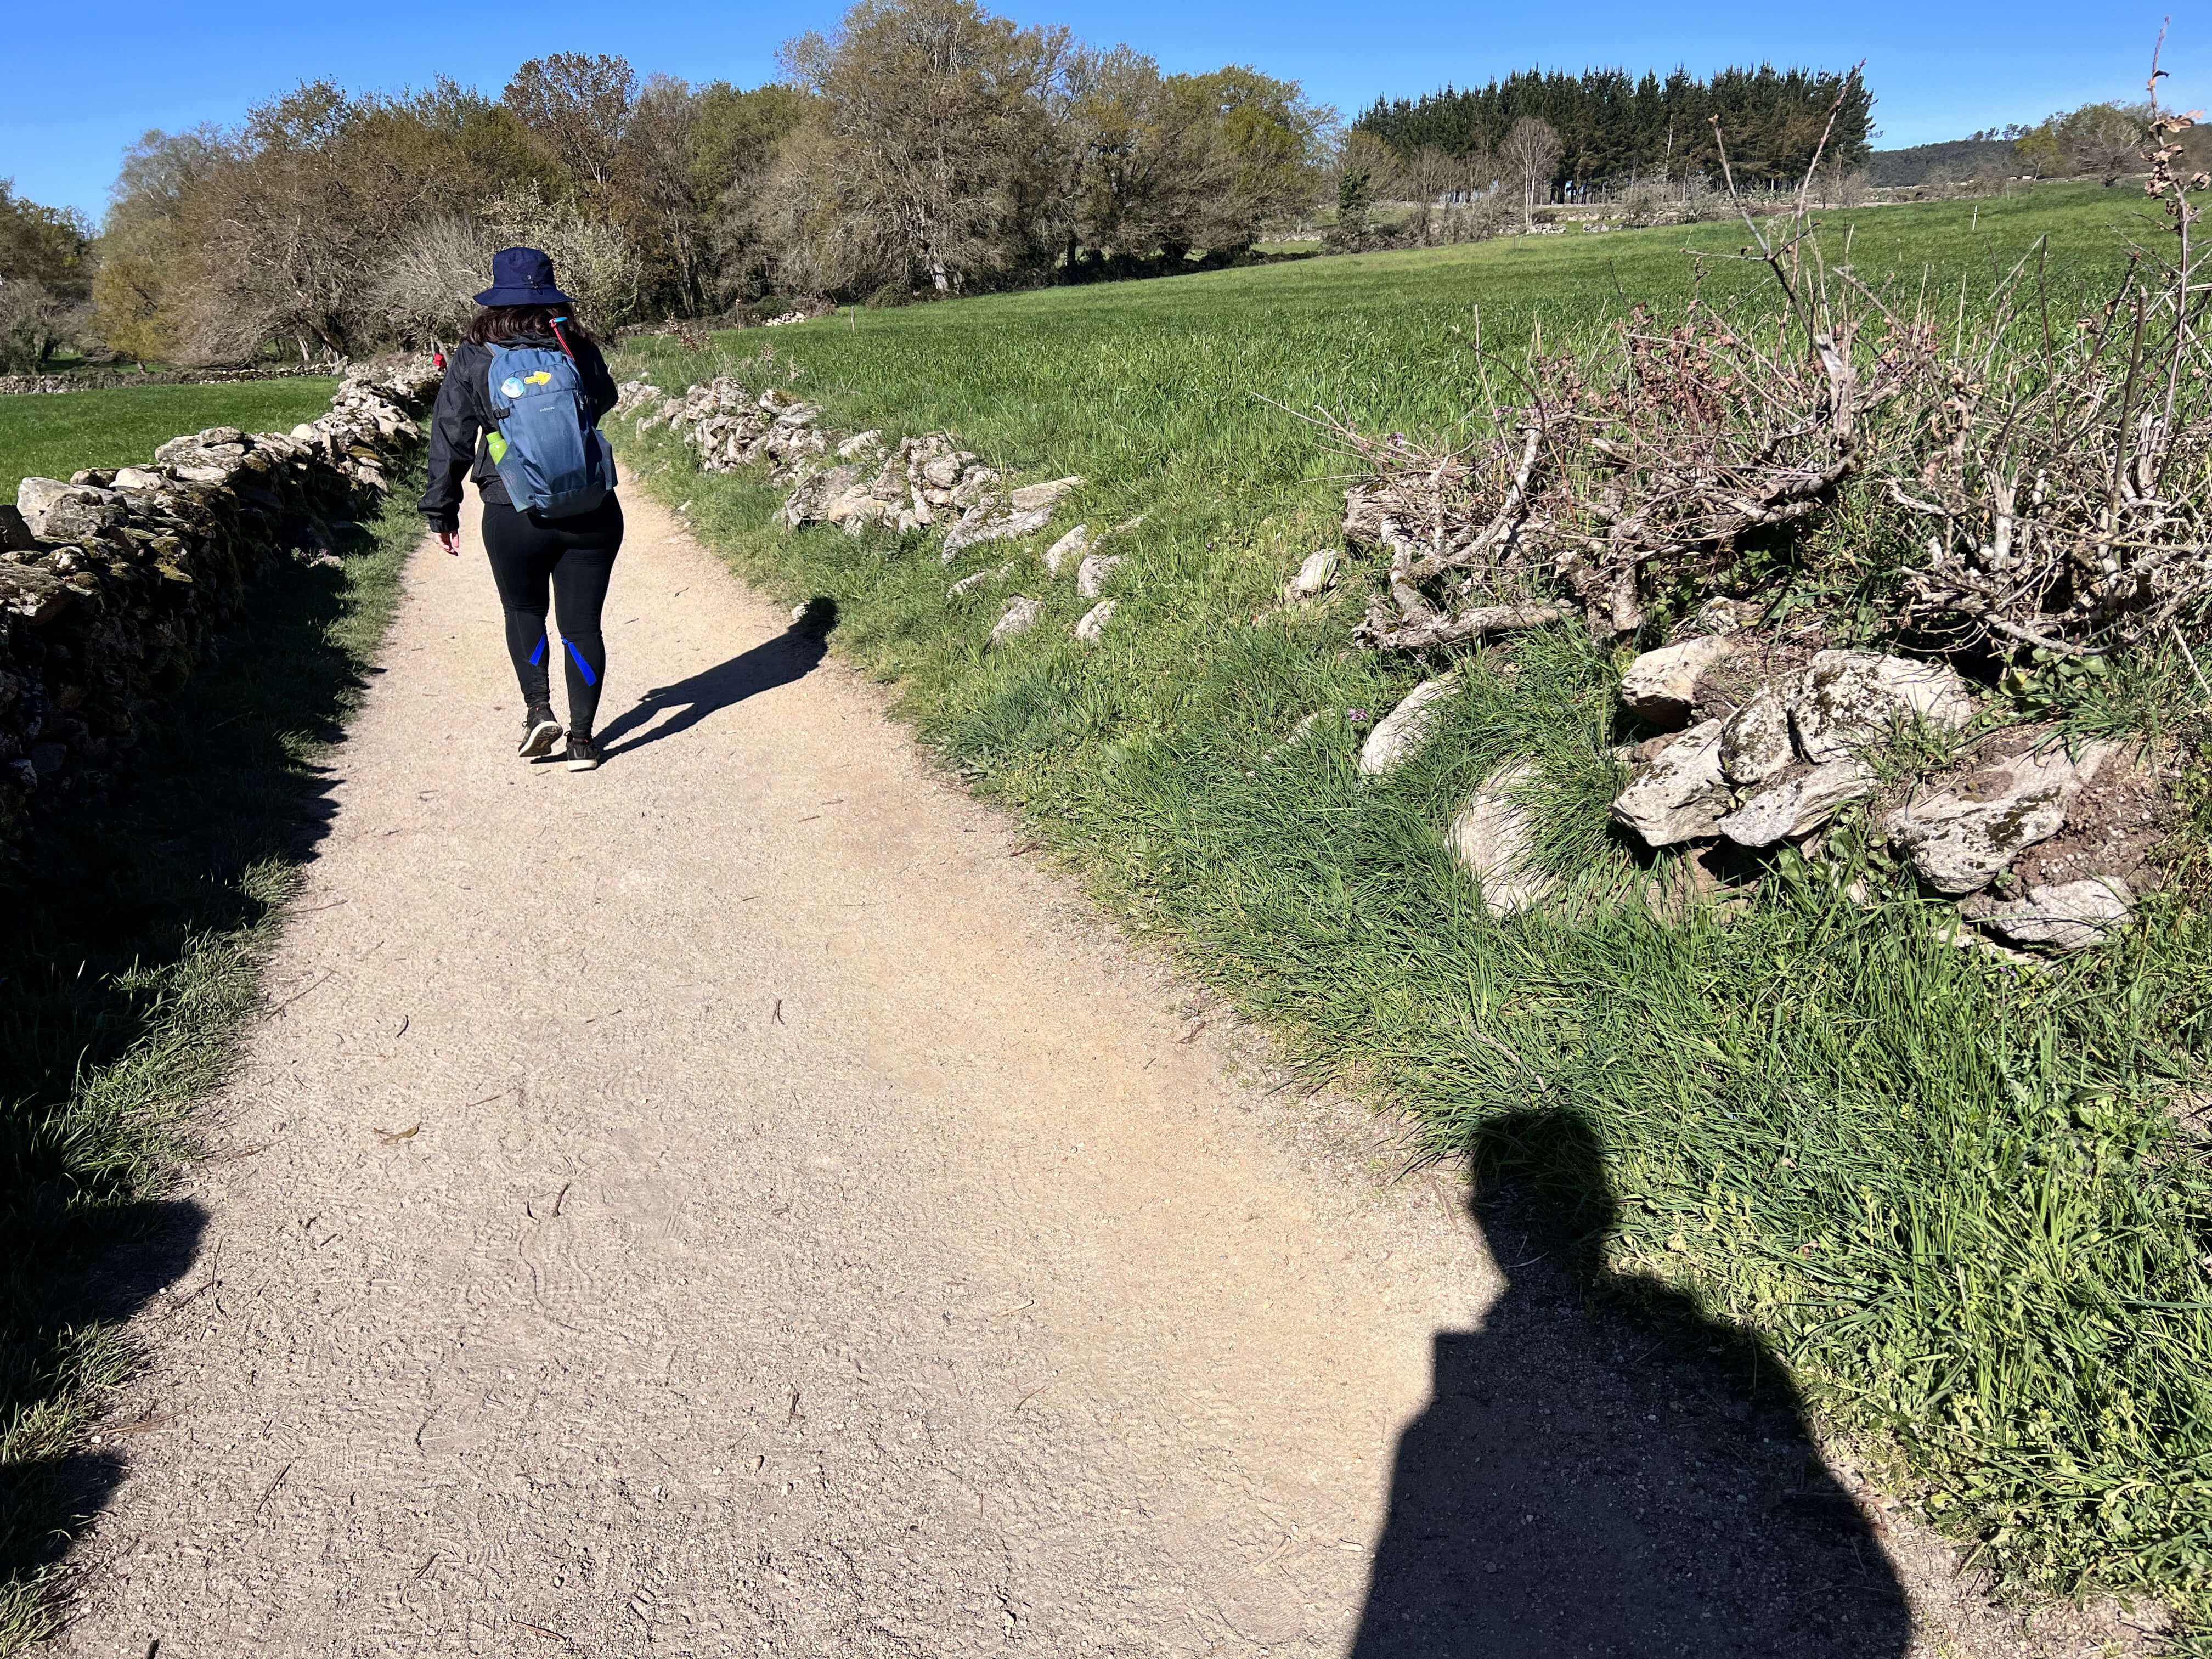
[
  {"x": 2102, "y": 140},
  {"x": 923, "y": 144},
  {"x": 45, "y": 277},
  {"x": 1613, "y": 127}
]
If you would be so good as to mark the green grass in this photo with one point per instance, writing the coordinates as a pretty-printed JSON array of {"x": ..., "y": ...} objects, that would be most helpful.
[
  {"x": 52, "y": 435},
  {"x": 1195, "y": 392},
  {"x": 1951, "y": 1195},
  {"x": 129, "y": 966}
]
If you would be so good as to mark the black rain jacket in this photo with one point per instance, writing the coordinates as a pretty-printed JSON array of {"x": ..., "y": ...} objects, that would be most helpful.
[{"x": 463, "y": 415}]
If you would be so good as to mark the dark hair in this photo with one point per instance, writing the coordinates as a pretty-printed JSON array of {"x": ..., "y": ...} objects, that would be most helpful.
[{"x": 507, "y": 322}]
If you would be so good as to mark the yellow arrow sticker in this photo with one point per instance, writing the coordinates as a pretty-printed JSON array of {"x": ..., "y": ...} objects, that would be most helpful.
[{"x": 543, "y": 377}]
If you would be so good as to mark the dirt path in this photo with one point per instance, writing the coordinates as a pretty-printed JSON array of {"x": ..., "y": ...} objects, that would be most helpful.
[{"x": 820, "y": 1237}]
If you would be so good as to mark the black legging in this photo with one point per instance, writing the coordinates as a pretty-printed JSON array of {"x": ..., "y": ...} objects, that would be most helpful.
[{"x": 575, "y": 557}]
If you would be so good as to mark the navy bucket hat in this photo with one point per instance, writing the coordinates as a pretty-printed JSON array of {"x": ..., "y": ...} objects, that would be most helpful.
[{"x": 522, "y": 277}]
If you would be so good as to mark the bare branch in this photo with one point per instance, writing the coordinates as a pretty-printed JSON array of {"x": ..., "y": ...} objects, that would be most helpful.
[{"x": 1436, "y": 632}]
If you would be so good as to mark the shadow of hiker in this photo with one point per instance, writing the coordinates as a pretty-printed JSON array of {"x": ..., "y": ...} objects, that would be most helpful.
[
  {"x": 1602, "y": 1471},
  {"x": 791, "y": 655}
]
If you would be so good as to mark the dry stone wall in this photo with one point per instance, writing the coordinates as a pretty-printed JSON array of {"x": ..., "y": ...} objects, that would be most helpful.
[
  {"x": 2040, "y": 847},
  {"x": 109, "y": 380},
  {"x": 113, "y": 582},
  {"x": 856, "y": 481},
  {"x": 859, "y": 482},
  {"x": 1776, "y": 765}
]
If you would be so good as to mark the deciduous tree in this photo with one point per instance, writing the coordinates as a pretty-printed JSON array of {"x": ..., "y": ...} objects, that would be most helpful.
[
  {"x": 1164, "y": 164},
  {"x": 1365, "y": 170},
  {"x": 1429, "y": 175},
  {"x": 2103, "y": 141},
  {"x": 734, "y": 140},
  {"x": 1530, "y": 155},
  {"x": 44, "y": 276},
  {"x": 578, "y": 109},
  {"x": 937, "y": 117}
]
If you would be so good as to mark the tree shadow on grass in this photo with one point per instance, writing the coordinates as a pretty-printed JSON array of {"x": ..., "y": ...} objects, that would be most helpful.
[
  {"x": 1601, "y": 1470},
  {"x": 129, "y": 959},
  {"x": 791, "y": 655}
]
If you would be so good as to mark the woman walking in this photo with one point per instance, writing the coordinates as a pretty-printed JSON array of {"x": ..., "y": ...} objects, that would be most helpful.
[{"x": 519, "y": 413}]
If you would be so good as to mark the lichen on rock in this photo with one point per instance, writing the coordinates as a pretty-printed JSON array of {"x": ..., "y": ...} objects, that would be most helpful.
[
  {"x": 1677, "y": 793},
  {"x": 1755, "y": 740},
  {"x": 1846, "y": 701},
  {"x": 1959, "y": 840},
  {"x": 1796, "y": 806},
  {"x": 1662, "y": 685},
  {"x": 2071, "y": 915}
]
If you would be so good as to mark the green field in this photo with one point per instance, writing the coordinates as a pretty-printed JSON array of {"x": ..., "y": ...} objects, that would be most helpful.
[
  {"x": 52, "y": 435},
  {"x": 1952, "y": 1198}
]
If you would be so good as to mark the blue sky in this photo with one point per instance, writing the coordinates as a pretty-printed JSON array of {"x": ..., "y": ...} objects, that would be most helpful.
[{"x": 1938, "y": 69}]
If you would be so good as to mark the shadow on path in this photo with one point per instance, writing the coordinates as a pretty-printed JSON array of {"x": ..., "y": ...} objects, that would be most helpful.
[
  {"x": 1600, "y": 1470},
  {"x": 54, "y": 1483},
  {"x": 129, "y": 951},
  {"x": 790, "y": 655}
]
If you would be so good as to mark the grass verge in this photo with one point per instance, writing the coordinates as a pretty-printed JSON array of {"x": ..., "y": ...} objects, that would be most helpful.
[
  {"x": 50, "y": 435},
  {"x": 1954, "y": 1196},
  {"x": 129, "y": 971}
]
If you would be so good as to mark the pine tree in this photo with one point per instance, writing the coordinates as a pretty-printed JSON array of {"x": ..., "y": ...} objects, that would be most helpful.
[{"x": 1614, "y": 127}]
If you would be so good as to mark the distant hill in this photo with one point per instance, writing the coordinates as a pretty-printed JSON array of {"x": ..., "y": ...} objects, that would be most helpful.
[{"x": 1958, "y": 158}]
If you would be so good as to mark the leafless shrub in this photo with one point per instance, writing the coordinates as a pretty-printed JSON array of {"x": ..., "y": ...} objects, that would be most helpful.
[
  {"x": 1649, "y": 202},
  {"x": 692, "y": 337},
  {"x": 600, "y": 267},
  {"x": 1429, "y": 177},
  {"x": 1606, "y": 474},
  {"x": 1611, "y": 476},
  {"x": 33, "y": 318},
  {"x": 2061, "y": 469},
  {"x": 427, "y": 290},
  {"x": 2066, "y": 484},
  {"x": 1704, "y": 202},
  {"x": 1478, "y": 219}
]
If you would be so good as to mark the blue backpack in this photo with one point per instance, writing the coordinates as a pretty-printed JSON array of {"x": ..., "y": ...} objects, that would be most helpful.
[{"x": 551, "y": 456}]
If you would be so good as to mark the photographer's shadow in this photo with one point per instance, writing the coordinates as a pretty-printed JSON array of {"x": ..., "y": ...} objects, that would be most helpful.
[
  {"x": 791, "y": 655},
  {"x": 1601, "y": 1470}
]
